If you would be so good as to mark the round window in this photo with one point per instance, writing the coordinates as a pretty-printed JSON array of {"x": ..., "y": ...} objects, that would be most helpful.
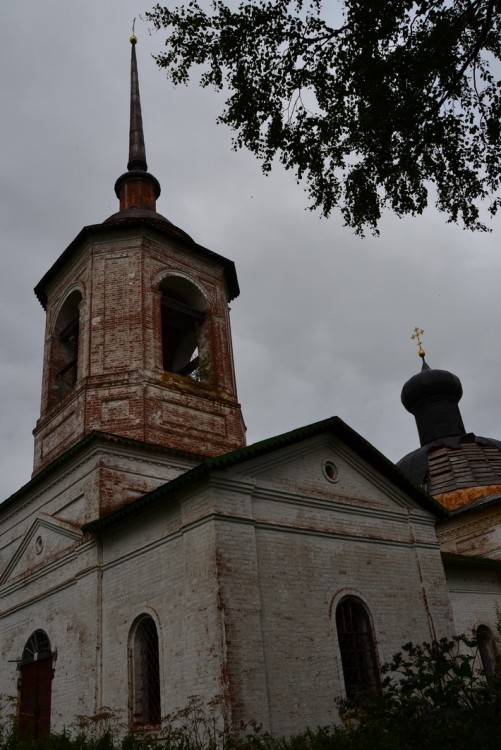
[{"x": 330, "y": 471}]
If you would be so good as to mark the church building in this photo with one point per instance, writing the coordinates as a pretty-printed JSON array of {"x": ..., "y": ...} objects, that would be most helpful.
[{"x": 154, "y": 556}]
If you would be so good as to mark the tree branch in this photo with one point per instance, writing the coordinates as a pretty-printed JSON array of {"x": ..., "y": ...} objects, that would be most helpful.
[{"x": 472, "y": 55}]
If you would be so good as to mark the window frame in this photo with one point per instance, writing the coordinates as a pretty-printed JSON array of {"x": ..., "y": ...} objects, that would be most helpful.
[
  {"x": 185, "y": 328},
  {"x": 357, "y": 647},
  {"x": 488, "y": 651},
  {"x": 144, "y": 666},
  {"x": 65, "y": 348}
]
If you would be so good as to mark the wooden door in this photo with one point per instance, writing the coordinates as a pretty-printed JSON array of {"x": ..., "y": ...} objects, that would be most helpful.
[{"x": 35, "y": 698}]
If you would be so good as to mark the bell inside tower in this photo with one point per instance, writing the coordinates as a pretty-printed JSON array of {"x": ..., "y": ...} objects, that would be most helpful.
[
  {"x": 185, "y": 347},
  {"x": 64, "y": 359}
]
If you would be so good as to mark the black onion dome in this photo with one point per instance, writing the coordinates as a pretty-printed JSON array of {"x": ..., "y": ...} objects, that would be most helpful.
[
  {"x": 433, "y": 397},
  {"x": 429, "y": 384}
]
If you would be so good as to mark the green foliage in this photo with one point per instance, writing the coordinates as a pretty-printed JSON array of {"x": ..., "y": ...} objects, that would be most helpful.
[
  {"x": 371, "y": 102},
  {"x": 433, "y": 696},
  {"x": 203, "y": 371}
]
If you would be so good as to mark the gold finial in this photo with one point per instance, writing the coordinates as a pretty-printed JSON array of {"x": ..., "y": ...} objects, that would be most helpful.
[
  {"x": 133, "y": 37},
  {"x": 418, "y": 332}
]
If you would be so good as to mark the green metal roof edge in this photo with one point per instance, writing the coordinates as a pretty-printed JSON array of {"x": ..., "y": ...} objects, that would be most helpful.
[
  {"x": 227, "y": 460},
  {"x": 457, "y": 560},
  {"x": 73, "y": 451}
]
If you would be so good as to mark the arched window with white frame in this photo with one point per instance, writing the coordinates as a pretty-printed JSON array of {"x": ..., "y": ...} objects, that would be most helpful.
[
  {"x": 145, "y": 673},
  {"x": 357, "y": 647}
]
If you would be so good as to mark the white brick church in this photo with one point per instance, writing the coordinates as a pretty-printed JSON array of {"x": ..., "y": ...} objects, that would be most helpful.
[{"x": 153, "y": 556}]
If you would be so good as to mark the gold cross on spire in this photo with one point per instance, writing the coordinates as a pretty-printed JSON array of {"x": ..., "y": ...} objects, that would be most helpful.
[{"x": 418, "y": 332}]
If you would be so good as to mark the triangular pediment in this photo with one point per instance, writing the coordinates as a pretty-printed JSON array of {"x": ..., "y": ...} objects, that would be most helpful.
[
  {"x": 324, "y": 466},
  {"x": 326, "y": 460},
  {"x": 44, "y": 540}
]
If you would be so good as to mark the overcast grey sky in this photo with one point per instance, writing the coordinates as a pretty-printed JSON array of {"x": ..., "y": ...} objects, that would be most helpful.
[{"x": 323, "y": 322}]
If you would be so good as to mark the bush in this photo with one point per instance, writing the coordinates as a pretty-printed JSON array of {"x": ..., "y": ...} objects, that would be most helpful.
[{"x": 432, "y": 696}]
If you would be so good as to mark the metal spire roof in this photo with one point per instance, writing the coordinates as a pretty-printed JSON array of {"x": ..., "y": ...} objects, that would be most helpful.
[
  {"x": 137, "y": 150},
  {"x": 136, "y": 189}
]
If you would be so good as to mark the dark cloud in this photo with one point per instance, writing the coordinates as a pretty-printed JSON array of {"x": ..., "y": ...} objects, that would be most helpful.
[{"x": 324, "y": 319}]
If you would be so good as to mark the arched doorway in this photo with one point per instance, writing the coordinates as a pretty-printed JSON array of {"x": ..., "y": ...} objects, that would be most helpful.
[{"x": 35, "y": 686}]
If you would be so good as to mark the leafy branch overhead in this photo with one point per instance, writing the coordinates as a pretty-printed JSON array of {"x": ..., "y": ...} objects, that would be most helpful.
[{"x": 373, "y": 103}]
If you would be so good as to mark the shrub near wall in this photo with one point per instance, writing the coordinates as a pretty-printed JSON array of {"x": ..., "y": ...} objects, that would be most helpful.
[{"x": 433, "y": 697}]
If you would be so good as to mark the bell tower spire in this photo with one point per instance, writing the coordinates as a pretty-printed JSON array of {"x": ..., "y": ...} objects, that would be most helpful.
[
  {"x": 137, "y": 149},
  {"x": 136, "y": 189},
  {"x": 138, "y": 340}
]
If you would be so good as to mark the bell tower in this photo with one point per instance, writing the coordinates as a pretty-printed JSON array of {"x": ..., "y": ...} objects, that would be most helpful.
[{"x": 138, "y": 341}]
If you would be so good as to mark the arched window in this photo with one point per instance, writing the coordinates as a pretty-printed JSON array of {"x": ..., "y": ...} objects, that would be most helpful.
[
  {"x": 184, "y": 345},
  {"x": 356, "y": 643},
  {"x": 35, "y": 686},
  {"x": 64, "y": 356},
  {"x": 488, "y": 650},
  {"x": 145, "y": 676}
]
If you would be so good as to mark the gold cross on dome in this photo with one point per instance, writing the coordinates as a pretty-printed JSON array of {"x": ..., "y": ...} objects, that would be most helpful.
[{"x": 418, "y": 332}]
